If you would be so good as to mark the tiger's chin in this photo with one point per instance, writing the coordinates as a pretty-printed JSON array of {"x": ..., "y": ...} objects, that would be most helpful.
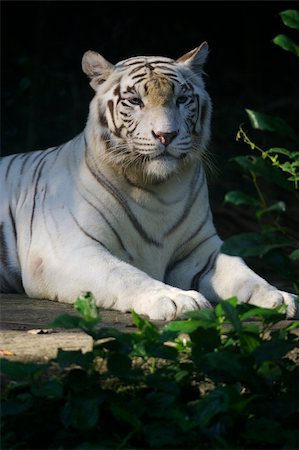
[
  {"x": 160, "y": 169},
  {"x": 152, "y": 171}
]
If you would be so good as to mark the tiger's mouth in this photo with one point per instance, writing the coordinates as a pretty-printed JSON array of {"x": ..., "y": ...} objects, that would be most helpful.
[{"x": 167, "y": 156}]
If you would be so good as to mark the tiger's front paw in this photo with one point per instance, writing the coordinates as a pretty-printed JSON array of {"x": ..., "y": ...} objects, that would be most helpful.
[
  {"x": 168, "y": 303},
  {"x": 267, "y": 296},
  {"x": 292, "y": 304}
]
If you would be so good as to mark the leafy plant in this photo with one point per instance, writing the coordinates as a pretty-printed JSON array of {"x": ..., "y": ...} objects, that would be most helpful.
[
  {"x": 276, "y": 243},
  {"x": 221, "y": 378},
  {"x": 291, "y": 19}
]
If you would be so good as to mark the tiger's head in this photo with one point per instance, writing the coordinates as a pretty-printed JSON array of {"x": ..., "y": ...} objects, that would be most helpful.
[{"x": 152, "y": 113}]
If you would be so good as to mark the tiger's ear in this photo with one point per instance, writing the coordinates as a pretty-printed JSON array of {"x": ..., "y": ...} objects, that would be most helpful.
[
  {"x": 96, "y": 67},
  {"x": 196, "y": 58}
]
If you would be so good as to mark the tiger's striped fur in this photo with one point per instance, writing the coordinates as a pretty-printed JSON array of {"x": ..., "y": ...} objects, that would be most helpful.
[{"x": 122, "y": 210}]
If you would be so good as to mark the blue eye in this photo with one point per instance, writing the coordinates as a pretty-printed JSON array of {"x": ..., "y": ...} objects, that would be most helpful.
[
  {"x": 136, "y": 101},
  {"x": 182, "y": 99}
]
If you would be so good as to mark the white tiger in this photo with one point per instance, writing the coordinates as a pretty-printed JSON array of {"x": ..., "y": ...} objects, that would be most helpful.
[{"x": 122, "y": 210}]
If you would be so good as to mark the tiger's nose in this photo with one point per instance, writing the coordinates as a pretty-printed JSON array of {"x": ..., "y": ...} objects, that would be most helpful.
[{"x": 165, "y": 138}]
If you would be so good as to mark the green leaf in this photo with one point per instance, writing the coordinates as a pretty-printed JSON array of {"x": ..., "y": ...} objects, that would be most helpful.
[
  {"x": 249, "y": 341},
  {"x": 240, "y": 198},
  {"x": 90, "y": 317},
  {"x": 252, "y": 244},
  {"x": 261, "y": 168},
  {"x": 269, "y": 123},
  {"x": 273, "y": 350},
  {"x": 231, "y": 314},
  {"x": 52, "y": 388},
  {"x": 86, "y": 306},
  {"x": 159, "y": 402},
  {"x": 66, "y": 358},
  {"x": 18, "y": 370},
  {"x": 164, "y": 352},
  {"x": 183, "y": 326},
  {"x": 119, "y": 364},
  {"x": 244, "y": 244},
  {"x": 286, "y": 43},
  {"x": 148, "y": 329},
  {"x": 267, "y": 315},
  {"x": 124, "y": 415},
  {"x": 264, "y": 430},
  {"x": 203, "y": 341},
  {"x": 224, "y": 365},
  {"x": 168, "y": 438},
  {"x": 81, "y": 413},
  {"x": 66, "y": 321},
  {"x": 206, "y": 317},
  {"x": 19, "y": 405},
  {"x": 283, "y": 151},
  {"x": 288, "y": 167},
  {"x": 294, "y": 255},
  {"x": 278, "y": 206},
  {"x": 290, "y": 18}
]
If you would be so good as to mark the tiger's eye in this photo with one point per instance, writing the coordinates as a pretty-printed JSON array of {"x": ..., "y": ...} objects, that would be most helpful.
[
  {"x": 136, "y": 101},
  {"x": 182, "y": 99}
]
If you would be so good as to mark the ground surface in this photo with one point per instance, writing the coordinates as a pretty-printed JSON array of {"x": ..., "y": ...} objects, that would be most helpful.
[{"x": 25, "y": 333}]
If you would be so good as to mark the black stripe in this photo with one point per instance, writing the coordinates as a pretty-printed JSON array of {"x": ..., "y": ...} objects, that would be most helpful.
[
  {"x": 10, "y": 281},
  {"x": 111, "y": 109},
  {"x": 27, "y": 156},
  {"x": 161, "y": 61},
  {"x": 179, "y": 261},
  {"x": 171, "y": 76},
  {"x": 144, "y": 62},
  {"x": 39, "y": 167},
  {"x": 86, "y": 233},
  {"x": 117, "y": 91},
  {"x": 136, "y": 69},
  {"x": 132, "y": 63},
  {"x": 100, "y": 178},
  {"x": 57, "y": 150},
  {"x": 110, "y": 226},
  {"x": 131, "y": 130},
  {"x": 139, "y": 77},
  {"x": 12, "y": 222},
  {"x": 102, "y": 119},
  {"x": 9, "y": 165},
  {"x": 192, "y": 197},
  {"x": 206, "y": 269},
  {"x": 196, "y": 232},
  {"x": 46, "y": 215},
  {"x": 42, "y": 155},
  {"x": 3, "y": 246},
  {"x": 162, "y": 67},
  {"x": 131, "y": 89}
]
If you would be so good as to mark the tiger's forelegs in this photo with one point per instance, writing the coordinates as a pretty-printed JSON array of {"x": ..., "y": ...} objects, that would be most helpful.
[
  {"x": 230, "y": 276},
  {"x": 115, "y": 285}
]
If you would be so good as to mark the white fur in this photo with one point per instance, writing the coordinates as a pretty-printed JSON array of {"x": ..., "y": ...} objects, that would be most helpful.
[{"x": 94, "y": 215}]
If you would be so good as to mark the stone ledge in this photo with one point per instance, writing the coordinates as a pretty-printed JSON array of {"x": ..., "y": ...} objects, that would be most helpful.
[
  {"x": 25, "y": 322},
  {"x": 25, "y": 334}
]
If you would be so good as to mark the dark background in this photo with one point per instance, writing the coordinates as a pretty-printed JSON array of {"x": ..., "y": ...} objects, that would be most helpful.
[{"x": 45, "y": 94}]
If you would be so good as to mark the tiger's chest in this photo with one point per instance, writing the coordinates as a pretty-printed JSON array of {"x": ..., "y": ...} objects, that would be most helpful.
[{"x": 145, "y": 227}]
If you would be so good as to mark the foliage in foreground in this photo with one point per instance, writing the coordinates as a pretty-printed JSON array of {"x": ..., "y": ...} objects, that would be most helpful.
[{"x": 220, "y": 378}]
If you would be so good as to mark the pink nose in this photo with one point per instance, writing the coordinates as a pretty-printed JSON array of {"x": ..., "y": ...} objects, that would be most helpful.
[{"x": 165, "y": 138}]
